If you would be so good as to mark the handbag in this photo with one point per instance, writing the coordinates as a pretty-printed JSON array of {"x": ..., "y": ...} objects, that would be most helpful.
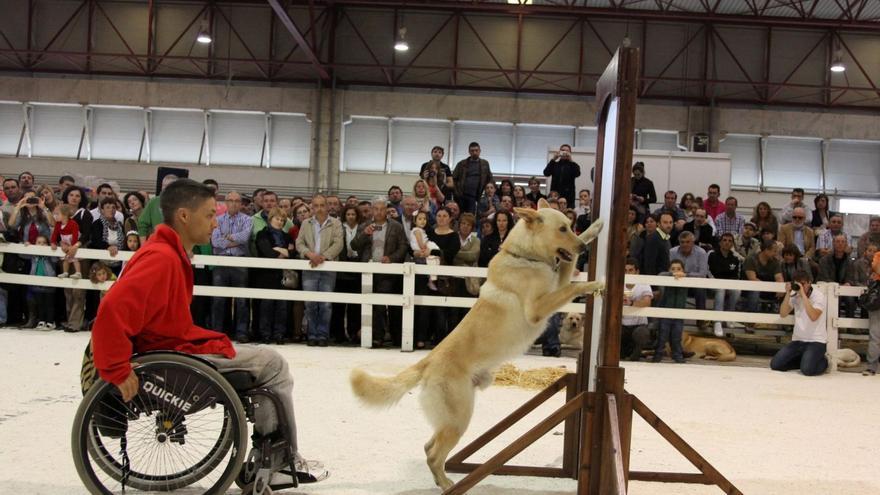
[
  {"x": 870, "y": 300},
  {"x": 290, "y": 279}
]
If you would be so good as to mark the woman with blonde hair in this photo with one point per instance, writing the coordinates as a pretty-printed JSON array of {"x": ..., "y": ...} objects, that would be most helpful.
[
  {"x": 272, "y": 242},
  {"x": 422, "y": 193}
]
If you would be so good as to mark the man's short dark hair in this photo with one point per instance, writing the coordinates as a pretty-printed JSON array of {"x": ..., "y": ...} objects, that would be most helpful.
[
  {"x": 66, "y": 178},
  {"x": 731, "y": 197},
  {"x": 767, "y": 244},
  {"x": 258, "y": 191},
  {"x": 727, "y": 234},
  {"x": 566, "y": 146},
  {"x": 671, "y": 192},
  {"x": 438, "y": 148},
  {"x": 632, "y": 261},
  {"x": 182, "y": 193},
  {"x": 665, "y": 213},
  {"x": 211, "y": 182},
  {"x": 392, "y": 188},
  {"x": 364, "y": 203},
  {"x": 102, "y": 187},
  {"x": 270, "y": 193},
  {"x": 474, "y": 144},
  {"x": 676, "y": 262},
  {"x": 13, "y": 179},
  {"x": 802, "y": 276},
  {"x": 25, "y": 173},
  {"x": 106, "y": 201},
  {"x": 715, "y": 186},
  {"x": 798, "y": 190}
]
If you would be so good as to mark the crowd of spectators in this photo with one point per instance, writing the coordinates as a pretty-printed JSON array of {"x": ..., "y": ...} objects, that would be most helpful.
[{"x": 450, "y": 215}]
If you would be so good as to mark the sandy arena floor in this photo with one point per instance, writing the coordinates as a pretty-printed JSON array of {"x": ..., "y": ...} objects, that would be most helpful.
[{"x": 770, "y": 433}]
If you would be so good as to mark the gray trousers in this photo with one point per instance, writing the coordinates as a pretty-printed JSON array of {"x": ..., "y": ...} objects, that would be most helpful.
[
  {"x": 874, "y": 339},
  {"x": 270, "y": 371}
]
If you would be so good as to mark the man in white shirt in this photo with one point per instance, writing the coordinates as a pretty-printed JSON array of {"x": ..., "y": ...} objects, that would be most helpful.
[
  {"x": 806, "y": 351},
  {"x": 634, "y": 334},
  {"x": 105, "y": 191}
]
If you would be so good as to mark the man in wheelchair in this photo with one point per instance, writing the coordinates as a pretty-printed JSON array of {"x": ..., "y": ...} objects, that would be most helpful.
[{"x": 147, "y": 309}]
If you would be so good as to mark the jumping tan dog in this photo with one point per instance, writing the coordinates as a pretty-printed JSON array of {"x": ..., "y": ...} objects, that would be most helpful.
[
  {"x": 708, "y": 347},
  {"x": 529, "y": 279}
]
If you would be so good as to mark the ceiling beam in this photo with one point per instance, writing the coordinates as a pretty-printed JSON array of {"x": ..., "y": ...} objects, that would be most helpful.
[{"x": 300, "y": 40}]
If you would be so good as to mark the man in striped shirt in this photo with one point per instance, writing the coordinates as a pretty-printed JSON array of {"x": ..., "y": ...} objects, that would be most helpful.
[{"x": 230, "y": 238}]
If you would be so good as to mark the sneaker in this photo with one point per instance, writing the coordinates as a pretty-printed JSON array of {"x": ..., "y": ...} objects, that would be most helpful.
[
  {"x": 310, "y": 471},
  {"x": 869, "y": 372},
  {"x": 76, "y": 276},
  {"x": 63, "y": 275},
  {"x": 432, "y": 286},
  {"x": 680, "y": 360},
  {"x": 719, "y": 332},
  {"x": 242, "y": 339},
  {"x": 41, "y": 325},
  {"x": 50, "y": 325},
  {"x": 322, "y": 343},
  {"x": 656, "y": 359}
]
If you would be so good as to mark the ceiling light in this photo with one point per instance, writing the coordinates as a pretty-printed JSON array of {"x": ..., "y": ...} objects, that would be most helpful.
[
  {"x": 837, "y": 62},
  {"x": 401, "y": 45},
  {"x": 204, "y": 35}
]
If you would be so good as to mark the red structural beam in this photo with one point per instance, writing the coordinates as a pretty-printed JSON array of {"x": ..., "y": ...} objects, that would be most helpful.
[{"x": 300, "y": 40}]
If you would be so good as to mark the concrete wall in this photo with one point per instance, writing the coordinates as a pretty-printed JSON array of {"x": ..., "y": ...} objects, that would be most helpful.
[{"x": 327, "y": 108}]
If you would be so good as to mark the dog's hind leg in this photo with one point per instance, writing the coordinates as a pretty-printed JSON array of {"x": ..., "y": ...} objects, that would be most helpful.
[{"x": 449, "y": 407}]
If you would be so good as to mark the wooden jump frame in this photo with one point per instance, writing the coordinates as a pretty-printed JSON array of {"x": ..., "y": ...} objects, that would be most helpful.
[{"x": 598, "y": 411}]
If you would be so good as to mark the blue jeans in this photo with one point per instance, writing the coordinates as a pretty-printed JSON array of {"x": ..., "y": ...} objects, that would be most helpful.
[
  {"x": 725, "y": 300},
  {"x": 318, "y": 313},
  {"x": 809, "y": 357},
  {"x": 3, "y": 302},
  {"x": 670, "y": 331},
  {"x": 230, "y": 276}
]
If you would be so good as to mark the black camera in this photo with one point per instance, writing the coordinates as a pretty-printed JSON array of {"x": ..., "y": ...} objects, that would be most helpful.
[
  {"x": 33, "y": 201},
  {"x": 796, "y": 287}
]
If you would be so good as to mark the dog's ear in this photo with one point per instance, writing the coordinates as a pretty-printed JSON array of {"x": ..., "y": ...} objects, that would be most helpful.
[
  {"x": 542, "y": 203},
  {"x": 529, "y": 215}
]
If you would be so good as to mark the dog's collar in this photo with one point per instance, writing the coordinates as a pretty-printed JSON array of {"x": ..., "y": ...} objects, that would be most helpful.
[{"x": 554, "y": 265}]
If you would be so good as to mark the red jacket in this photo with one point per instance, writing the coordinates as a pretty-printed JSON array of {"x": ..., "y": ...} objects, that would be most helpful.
[
  {"x": 148, "y": 309},
  {"x": 71, "y": 229}
]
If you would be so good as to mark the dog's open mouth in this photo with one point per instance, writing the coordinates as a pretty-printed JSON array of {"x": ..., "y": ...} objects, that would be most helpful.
[{"x": 564, "y": 255}]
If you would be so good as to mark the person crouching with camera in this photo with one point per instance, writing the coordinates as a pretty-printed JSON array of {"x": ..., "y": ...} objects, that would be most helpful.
[{"x": 806, "y": 351}]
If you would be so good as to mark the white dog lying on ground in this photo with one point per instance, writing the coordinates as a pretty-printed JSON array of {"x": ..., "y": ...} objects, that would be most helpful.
[{"x": 842, "y": 358}]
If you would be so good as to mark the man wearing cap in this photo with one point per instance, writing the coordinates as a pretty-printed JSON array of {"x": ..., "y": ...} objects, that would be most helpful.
[{"x": 747, "y": 243}]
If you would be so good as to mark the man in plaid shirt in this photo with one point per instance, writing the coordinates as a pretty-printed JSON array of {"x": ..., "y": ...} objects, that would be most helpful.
[{"x": 729, "y": 221}]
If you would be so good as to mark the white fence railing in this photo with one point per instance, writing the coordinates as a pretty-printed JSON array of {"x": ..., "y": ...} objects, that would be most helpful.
[{"x": 408, "y": 299}]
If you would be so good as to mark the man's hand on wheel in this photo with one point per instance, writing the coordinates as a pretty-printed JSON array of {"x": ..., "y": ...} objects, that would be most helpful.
[{"x": 129, "y": 388}]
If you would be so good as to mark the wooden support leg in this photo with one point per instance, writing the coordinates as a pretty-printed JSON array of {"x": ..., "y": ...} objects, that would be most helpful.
[
  {"x": 516, "y": 447},
  {"x": 710, "y": 474}
]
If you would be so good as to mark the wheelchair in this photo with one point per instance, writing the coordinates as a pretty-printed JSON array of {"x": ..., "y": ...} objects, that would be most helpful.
[{"x": 186, "y": 430}]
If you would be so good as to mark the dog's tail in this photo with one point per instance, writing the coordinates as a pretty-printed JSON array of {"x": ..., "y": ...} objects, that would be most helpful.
[{"x": 387, "y": 390}]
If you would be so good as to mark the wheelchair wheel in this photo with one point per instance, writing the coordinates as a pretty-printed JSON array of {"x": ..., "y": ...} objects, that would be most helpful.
[{"x": 185, "y": 430}]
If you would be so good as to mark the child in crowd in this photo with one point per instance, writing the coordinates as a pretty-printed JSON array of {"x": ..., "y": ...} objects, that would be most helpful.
[
  {"x": 101, "y": 273},
  {"x": 132, "y": 241},
  {"x": 40, "y": 299},
  {"x": 671, "y": 328},
  {"x": 66, "y": 232},
  {"x": 419, "y": 242}
]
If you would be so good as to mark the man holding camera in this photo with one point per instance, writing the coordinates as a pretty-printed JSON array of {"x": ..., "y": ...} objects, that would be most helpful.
[
  {"x": 806, "y": 351},
  {"x": 562, "y": 172}
]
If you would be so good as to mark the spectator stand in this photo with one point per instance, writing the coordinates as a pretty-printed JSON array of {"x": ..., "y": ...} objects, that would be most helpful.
[{"x": 844, "y": 328}]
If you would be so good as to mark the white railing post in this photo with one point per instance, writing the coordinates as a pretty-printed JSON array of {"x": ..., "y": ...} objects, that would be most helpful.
[
  {"x": 367, "y": 312},
  {"x": 408, "y": 314},
  {"x": 832, "y": 314}
]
